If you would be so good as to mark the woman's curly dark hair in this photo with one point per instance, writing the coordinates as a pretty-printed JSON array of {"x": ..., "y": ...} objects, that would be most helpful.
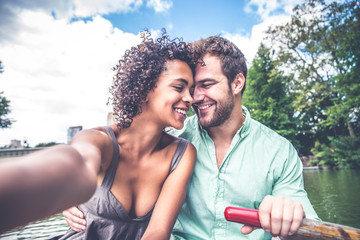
[{"x": 138, "y": 71}]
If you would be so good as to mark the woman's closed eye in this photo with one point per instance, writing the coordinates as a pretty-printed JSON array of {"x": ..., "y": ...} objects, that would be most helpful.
[{"x": 179, "y": 88}]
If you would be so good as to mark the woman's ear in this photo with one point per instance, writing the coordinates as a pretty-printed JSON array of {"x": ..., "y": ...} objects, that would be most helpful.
[
  {"x": 147, "y": 98},
  {"x": 238, "y": 83}
]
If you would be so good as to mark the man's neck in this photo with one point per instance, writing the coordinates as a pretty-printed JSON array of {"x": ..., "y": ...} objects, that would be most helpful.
[
  {"x": 227, "y": 130},
  {"x": 223, "y": 134}
]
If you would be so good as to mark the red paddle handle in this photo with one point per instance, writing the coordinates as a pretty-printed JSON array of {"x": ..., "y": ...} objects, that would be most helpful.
[{"x": 243, "y": 215}]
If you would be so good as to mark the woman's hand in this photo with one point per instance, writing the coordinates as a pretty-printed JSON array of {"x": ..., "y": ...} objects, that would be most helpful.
[{"x": 75, "y": 219}]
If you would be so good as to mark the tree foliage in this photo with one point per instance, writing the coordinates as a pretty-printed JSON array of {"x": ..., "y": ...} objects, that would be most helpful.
[
  {"x": 343, "y": 152},
  {"x": 320, "y": 48},
  {"x": 267, "y": 96},
  {"x": 321, "y": 45},
  {"x": 5, "y": 122},
  {"x": 49, "y": 144}
]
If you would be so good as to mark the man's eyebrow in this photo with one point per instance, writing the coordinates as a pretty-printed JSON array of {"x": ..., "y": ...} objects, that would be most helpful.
[{"x": 205, "y": 80}]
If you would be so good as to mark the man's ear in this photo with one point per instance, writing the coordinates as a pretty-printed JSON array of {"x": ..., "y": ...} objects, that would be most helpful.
[{"x": 238, "y": 83}]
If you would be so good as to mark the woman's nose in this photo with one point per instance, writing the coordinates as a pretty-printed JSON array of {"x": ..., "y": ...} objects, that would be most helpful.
[
  {"x": 188, "y": 98},
  {"x": 198, "y": 95}
]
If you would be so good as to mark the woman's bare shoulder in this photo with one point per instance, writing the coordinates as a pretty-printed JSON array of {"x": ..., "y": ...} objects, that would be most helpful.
[
  {"x": 173, "y": 141},
  {"x": 95, "y": 144},
  {"x": 97, "y": 133},
  {"x": 169, "y": 140},
  {"x": 93, "y": 137}
]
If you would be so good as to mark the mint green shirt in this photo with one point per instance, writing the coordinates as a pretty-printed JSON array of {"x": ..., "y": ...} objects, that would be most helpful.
[{"x": 259, "y": 162}]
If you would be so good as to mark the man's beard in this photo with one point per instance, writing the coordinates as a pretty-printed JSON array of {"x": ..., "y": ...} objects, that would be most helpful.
[{"x": 222, "y": 113}]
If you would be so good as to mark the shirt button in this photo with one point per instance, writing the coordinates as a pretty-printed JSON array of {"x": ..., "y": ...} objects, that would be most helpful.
[
  {"x": 210, "y": 147},
  {"x": 219, "y": 224}
]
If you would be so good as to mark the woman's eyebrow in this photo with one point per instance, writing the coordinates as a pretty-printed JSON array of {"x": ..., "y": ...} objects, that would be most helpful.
[{"x": 182, "y": 80}]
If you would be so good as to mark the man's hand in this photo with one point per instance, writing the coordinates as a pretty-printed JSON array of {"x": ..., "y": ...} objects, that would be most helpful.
[
  {"x": 75, "y": 219},
  {"x": 279, "y": 216}
]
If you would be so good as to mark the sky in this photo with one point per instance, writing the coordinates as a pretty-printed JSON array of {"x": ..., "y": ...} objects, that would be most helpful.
[{"x": 57, "y": 56}]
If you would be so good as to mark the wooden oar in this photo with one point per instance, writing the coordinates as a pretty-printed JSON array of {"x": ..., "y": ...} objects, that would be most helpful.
[{"x": 309, "y": 229}]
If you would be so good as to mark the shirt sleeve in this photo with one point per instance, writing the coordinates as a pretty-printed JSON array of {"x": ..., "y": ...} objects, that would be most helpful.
[{"x": 289, "y": 182}]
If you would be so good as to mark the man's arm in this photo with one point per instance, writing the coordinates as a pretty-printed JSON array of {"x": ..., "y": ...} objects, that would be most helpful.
[
  {"x": 290, "y": 183},
  {"x": 282, "y": 212},
  {"x": 75, "y": 219}
]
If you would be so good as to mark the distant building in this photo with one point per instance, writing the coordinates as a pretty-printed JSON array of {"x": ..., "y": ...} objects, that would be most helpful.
[
  {"x": 110, "y": 118},
  {"x": 15, "y": 144},
  {"x": 72, "y": 131},
  {"x": 1, "y": 67},
  {"x": 16, "y": 149}
]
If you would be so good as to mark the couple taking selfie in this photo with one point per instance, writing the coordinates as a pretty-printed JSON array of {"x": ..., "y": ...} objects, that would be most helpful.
[{"x": 156, "y": 174}]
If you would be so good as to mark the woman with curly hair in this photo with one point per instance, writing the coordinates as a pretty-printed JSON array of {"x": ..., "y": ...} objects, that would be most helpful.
[{"x": 140, "y": 172}]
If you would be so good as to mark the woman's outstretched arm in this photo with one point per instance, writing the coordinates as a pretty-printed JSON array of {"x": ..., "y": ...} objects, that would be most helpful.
[{"x": 43, "y": 183}]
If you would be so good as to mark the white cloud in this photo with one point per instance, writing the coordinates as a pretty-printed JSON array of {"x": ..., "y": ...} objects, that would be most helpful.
[
  {"x": 57, "y": 74},
  {"x": 250, "y": 44},
  {"x": 159, "y": 5},
  {"x": 85, "y": 8},
  {"x": 67, "y": 9},
  {"x": 267, "y": 8}
]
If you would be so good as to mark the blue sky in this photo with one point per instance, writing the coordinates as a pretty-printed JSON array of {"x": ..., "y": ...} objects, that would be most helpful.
[
  {"x": 190, "y": 19},
  {"x": 58, "y": 55}
]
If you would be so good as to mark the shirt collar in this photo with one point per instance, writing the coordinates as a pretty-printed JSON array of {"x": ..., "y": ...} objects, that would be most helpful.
[{"x": 244, "y": 130}]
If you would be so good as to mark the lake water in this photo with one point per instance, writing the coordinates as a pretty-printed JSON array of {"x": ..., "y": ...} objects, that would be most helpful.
[
  {"x": 334, "y": 194},
  {"x": 39, "y": 230}
]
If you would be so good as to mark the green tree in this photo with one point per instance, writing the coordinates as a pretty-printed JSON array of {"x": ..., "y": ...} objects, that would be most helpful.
[
  {"x": 267, "y": 96},
  {"x": 343, "y": 152},
  {"x": 324, "y": 154},
  {"x": 4, "y": 111},
  {"x": 321, "y": 45},
  {"x": 342, "y": 41},
  {"x": 49, "y": 144}
]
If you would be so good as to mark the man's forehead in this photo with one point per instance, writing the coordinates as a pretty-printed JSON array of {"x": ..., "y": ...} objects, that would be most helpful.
[
  {"x": 210, "y": 69},
  {"x": 209, "y": 59}
]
